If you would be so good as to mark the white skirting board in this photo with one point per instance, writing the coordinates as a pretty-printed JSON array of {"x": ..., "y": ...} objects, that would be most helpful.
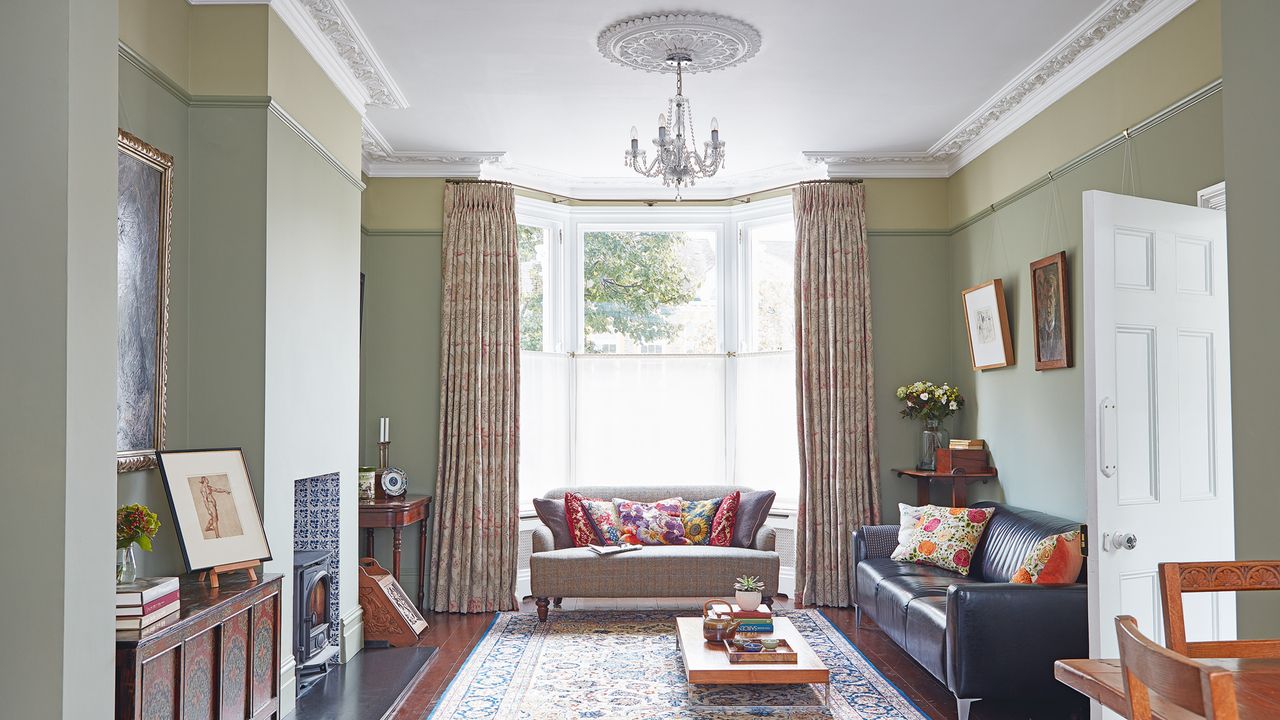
[
  {"x": 352, "y": 635},
  {"x": 288, "y": 685}
]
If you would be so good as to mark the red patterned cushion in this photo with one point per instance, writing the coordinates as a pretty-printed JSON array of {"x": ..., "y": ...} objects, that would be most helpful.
[
  {"x": 576, "y": 516},
  {"x": 726, "y": 517}
]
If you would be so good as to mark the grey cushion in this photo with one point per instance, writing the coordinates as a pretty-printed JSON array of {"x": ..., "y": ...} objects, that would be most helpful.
[
  {"x": 753, "y": 510},
  {"x": 551, "y": 513}
]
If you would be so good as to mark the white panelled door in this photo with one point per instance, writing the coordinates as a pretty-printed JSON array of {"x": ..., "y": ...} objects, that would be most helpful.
[{"x": 1158, "y": 414}]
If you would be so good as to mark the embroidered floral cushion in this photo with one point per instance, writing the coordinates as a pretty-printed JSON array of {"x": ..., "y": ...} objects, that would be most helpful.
[
  {"x": 575, "y": 516},
  {"x": 697, "y": 515},
  {"x": 945, "y": 537},
  {"x": 602, "y": 515},
  {"x": 908, "y": 515},
  {"x": 656, "y": 523},
  {"x": 726, "y": 518},
  {"x": 1055, "y": 560}
]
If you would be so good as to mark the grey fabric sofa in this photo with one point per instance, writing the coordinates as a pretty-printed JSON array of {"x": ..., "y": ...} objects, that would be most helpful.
[{"x": 699, "y": 571}]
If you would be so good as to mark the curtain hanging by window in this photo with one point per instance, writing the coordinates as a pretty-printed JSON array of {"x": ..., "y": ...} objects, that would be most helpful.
[
  {"x": 835, "y": 400},
  {"x": 476, "y": 523}
]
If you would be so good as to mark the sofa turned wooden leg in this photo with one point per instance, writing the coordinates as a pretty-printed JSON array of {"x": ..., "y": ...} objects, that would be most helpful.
[
  {"x": 542, "y": 608},
  {"x": 768, "y": 601},
  {"x": 555, "y": 602}
]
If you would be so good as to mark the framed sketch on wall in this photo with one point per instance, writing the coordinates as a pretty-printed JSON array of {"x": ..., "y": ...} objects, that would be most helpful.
[
  {"x": 144, "y": 204},
  {"x": 987, "y": 322},
  {"x": 214, "y": 509},
  {"x": 1052, "y": 312}
]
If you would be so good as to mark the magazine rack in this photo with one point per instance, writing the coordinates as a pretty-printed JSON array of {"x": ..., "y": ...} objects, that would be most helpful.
[{"x": 389, "y": 614}]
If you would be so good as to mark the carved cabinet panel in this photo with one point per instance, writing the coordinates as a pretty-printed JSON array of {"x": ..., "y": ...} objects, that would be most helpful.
[{"x": 217, "y": 659}]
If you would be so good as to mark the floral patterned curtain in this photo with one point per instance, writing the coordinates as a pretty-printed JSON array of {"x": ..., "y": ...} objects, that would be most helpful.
[
  {"x": 476, "y": 521},
  {"x": 839, "y": 481}
]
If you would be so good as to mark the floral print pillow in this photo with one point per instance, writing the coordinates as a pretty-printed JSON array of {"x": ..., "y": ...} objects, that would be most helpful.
[
  {"x": 575, "y": 516},
  {"x": 655, "y": 523},
  {"x": 726, "y": 520},
  {"x": 945, "y": 537},
  {"x": 1055, "y": 560},
  {"x": 696, "y": 516},
  {"x": 602, "y": 515}
]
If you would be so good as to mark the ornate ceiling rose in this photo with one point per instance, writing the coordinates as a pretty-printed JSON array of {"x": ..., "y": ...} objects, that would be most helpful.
[{"x": 710, "y": 42}]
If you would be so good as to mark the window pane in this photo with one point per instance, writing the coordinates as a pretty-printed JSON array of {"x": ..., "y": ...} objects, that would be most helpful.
[
  {"x": 766, "y": 449},
  {"x": 650, "y": 421},
  {"x": 544, "y": 424},
  {"x": 532, "y": 247},
  {"x": 770, "y": 318},
  {"x": 649, "y": 292}
]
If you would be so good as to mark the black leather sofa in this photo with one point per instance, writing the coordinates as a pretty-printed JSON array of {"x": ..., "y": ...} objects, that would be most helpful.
[{"x": 980, "y": 635}]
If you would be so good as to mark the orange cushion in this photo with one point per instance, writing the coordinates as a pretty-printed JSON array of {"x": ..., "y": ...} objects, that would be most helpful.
[{"x": 1055, "y": 560}]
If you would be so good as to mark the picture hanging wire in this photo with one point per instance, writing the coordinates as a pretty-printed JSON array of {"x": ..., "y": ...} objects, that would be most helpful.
[
  {"x": 1054, "y": 219},
  {"x": 1129, "y": 184},
  {"x": 997, "y": 236}
]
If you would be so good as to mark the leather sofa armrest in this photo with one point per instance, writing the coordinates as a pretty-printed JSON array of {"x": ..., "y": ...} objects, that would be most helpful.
[
  {"x": 543, "y": 540},
  {"x": 765, "y": 539},
  {"x": 1003, "y": 638}
]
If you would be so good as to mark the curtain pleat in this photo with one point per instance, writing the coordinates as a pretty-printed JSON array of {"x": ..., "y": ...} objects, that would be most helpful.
[
  {"x": 835, "y": 401},
  {"x": 476, "y": 521}
]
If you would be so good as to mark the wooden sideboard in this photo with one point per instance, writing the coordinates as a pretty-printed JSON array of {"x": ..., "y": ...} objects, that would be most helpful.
[{"x": 217, "y": 659}]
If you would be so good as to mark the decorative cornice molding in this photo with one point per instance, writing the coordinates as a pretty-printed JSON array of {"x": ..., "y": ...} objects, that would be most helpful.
[
  {"x": 334, "y": 39},
  {"x": 1111, "y": 30},
  {"x": 381, "y": 161},
  {"x": 721, "y": 187}
]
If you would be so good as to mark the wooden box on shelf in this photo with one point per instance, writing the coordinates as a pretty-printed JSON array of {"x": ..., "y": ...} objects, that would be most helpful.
[
  {"x": 389, "y": 615},
  {"x": 955, "y": 461}
]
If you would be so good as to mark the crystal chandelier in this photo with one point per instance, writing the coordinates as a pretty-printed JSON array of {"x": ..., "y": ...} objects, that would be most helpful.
[{"x": 677, "y": 160}]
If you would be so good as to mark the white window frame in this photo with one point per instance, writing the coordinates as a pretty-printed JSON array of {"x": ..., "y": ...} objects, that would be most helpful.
[{"x": 564, "y": 305}]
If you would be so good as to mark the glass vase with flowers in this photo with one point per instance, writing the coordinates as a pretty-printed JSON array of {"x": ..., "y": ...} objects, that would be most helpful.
[
  {"x": 922, "y": 400},
  {"x": 135, "y": 525}
]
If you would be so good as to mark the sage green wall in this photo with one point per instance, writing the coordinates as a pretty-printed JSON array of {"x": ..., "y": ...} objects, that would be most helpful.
[
  {"x": 1034, "y": 421},
  {"x": 152, "y": 113},
  {"x": 1251, "y": 102},
  {"x": 57, "y": 360}
]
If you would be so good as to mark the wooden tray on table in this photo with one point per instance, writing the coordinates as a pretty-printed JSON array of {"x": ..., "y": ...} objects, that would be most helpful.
[{"x": 784, "y": 654}]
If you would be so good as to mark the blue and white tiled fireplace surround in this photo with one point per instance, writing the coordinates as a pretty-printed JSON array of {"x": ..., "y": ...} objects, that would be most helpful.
[{"x": 315, "y": 527}]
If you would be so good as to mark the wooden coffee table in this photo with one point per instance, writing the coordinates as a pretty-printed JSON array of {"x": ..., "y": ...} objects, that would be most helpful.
[{"x": 706, "y": 664}]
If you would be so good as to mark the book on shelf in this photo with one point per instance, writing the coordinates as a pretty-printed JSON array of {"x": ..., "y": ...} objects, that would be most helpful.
[
  {"x": 762, "y": 612},
  {"x": 147, "y": 609},
  {"x": 961, "y": 444},
  {"x": 138, "y": 622},
  {"x": 612, "y": 549},
  {"x": 144, "y": 590}
]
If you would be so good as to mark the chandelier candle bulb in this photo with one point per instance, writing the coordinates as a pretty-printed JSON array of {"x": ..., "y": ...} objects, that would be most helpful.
[
  {"x": 635, "y": 139},
  {"x": 715, "y": 131}
]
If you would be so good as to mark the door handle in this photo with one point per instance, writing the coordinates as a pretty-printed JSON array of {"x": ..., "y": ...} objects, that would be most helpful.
[
  {"x": 1107, "y": 437},
  {"x": 1119, "y": 541}
]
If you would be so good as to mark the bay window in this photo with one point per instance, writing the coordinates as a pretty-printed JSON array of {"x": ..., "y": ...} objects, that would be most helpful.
[{"x": 657, "y": 347}]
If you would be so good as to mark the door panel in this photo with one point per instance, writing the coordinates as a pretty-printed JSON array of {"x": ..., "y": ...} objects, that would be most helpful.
[{"x": 1136, "y": 478}]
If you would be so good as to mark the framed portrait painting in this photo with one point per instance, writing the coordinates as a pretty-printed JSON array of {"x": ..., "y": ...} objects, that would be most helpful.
[
  {"x": 144, "y": 203},
  {"x": 214, "y": 509},
  {"x": 1052, "y": 312},
  {"x": 987, "y": 322}
]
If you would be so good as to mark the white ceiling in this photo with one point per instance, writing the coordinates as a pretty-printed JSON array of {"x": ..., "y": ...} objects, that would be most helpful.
[{"x": 857, "y": 76}]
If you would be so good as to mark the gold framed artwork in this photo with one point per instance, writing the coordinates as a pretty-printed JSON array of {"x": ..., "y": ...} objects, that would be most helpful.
[
  {"x": 987, "y": 323},
  {"x": 1052, "y": 312},
  {"x": 214, "y": 508},
  {"x": 144, "y": 216}
]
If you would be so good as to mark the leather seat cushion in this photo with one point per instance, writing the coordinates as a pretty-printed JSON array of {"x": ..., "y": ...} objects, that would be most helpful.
[
  {"x": 926, "y": 634},
  {"x": 895, "y": 594},
  {"x": 872, "y": 571}
]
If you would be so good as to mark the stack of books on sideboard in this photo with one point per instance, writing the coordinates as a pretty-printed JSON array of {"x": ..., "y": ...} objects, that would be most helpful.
[
  {"x": 146, "y": 601},
  {"x": 755, "y": 621}
]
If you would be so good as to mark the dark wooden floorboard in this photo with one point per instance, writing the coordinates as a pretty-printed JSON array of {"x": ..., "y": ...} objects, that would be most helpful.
[{"x": 455, "y": 636}]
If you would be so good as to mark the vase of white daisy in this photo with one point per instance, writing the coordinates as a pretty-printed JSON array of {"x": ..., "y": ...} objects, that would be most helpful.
[{"x": 931, "y": 403}]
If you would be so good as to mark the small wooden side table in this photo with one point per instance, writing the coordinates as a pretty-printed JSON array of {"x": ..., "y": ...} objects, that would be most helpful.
[
  {"x": 397, "y": 514},
  {"x": 959, "y": 483}
]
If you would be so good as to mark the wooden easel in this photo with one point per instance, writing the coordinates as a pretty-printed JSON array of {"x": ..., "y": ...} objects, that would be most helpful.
[{"x": 212, "y": 573}]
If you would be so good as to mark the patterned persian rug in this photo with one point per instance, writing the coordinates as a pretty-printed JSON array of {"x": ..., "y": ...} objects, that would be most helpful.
[{"x": 625, "y": 664}]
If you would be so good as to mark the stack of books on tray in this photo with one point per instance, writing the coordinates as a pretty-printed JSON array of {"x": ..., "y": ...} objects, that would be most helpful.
[
  {"x": 146, "y": 601},
  {"x": 960, "y": 444},
  {"x": 755, "y": 621}
]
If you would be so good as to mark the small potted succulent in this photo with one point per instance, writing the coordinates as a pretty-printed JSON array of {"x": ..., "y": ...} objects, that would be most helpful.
[{"x": 748, "y": 590}]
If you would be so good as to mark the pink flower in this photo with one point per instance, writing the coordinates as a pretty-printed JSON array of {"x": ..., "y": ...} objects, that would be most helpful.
[
  {"x": 932, "y": 525},
  {"x": 961, "y": 558},
  {"x": 977, "y": 516}
]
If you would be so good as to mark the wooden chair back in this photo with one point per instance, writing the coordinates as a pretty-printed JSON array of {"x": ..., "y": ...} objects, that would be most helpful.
[
  {"x": 1148, "y": 668},
  {"x": 1192, "y": 577}
]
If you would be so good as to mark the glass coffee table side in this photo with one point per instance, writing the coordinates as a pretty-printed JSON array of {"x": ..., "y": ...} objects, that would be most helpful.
[{"x": 706, "y": 664}]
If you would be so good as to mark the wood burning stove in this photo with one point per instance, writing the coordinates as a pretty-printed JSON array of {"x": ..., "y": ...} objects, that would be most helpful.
[{"x": 312, "y": 585}]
